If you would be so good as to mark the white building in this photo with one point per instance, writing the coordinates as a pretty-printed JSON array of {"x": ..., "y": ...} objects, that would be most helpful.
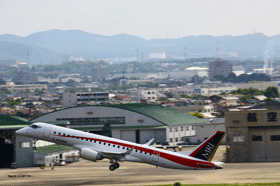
[
  {"x": 190, "y": 91},
  {"x": 148, "y": 94},
  {"x": 157, "y": 55},
  {"x": 74, "y": 99},
  {"x": 48, "y": 156}
]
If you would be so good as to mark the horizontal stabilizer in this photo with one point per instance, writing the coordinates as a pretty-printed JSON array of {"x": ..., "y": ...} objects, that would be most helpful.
[{"x": 150, "y": 142}]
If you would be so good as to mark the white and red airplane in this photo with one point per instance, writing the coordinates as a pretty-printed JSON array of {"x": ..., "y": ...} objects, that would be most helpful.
[{"x": 96, "y": 147}]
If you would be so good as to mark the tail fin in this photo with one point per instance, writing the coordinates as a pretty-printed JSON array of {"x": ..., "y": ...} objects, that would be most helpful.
[{"x": 208, "y": 148}]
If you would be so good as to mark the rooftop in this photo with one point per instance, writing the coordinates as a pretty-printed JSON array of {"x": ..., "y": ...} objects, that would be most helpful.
[
  {"x": 53, "y": 149},
  {"x": 12, "y": 122}
]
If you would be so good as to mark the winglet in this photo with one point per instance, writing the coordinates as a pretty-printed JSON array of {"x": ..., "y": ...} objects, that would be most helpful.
[{"x": 150, "y": 142}]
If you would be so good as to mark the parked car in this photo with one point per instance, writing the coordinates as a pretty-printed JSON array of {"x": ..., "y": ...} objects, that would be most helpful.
[
  {"x": 165, "y": 143},
  {"x": 13, "y": 165}
]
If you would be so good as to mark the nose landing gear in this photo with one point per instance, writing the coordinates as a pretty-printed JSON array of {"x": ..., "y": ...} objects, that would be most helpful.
[
  {"x": 34, "y": 144},
  {"x": 114, "y": 165}
]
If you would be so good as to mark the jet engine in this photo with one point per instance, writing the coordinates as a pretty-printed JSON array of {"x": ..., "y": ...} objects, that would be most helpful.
[{"x": 90, "y": 154}]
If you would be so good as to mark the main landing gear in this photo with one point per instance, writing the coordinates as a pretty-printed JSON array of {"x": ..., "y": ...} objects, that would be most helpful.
[
  {"x": 34, "y": 144},
  {"x": 114, "y": 165}
]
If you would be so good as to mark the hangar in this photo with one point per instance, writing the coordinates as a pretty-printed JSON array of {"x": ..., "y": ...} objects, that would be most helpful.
[
  {"x": 8, "y": 141},
  {"x": 132, "y": 122},
  {"x": 253, "y": 135}
]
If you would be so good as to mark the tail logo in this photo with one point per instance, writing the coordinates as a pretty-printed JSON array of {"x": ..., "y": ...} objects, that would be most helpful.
[{"x": 208, "y": 150}]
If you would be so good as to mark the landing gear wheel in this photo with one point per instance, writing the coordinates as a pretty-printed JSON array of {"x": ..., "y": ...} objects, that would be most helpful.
[
  {"x": 33, "y": 148},
  {"x": 116, "y": 165},
  {"x": 112, "y": 167}
]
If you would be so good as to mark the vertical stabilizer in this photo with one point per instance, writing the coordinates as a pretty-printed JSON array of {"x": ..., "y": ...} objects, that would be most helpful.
[{"x": 208, "y": 148}]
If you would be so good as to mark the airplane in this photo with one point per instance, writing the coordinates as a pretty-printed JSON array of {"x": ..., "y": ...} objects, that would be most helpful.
[{"x": 96, "y": 147}]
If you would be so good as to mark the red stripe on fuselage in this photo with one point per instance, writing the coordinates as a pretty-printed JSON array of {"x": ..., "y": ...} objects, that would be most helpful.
[{"x": 170, "y": 157}]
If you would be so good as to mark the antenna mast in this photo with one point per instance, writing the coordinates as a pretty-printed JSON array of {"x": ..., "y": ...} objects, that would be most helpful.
[{"x": 218, "y": 57}]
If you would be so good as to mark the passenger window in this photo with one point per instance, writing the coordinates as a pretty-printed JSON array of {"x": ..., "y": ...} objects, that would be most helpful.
[
  {"x": 109, "y": 144},
  {"x": 86, "y": 139},
  {"x": 118, "y": 146},
  {"x": 104, "y": 143},
  {"x": 73, "y": 136},
  {"x": 63, "y": 134},
  {"x": 145, "y": 152},
  {"x": 94, "y": 141},
  {"x": 77, "y": 137},
  {"x": 150, "y": 154},
  {"x": 59, "y": 133},
  {"x": 140, "y": 151},
  {"x": 114, "y": 145},
  {"x": 68, "y": 135},
  {"x": 135, "y": 150},
  {"x": 90, "y": 140},
  {"x": 99, "y": 142},
  {"x": 82, "y": 138},
  {"x": 123, "y": 147}
]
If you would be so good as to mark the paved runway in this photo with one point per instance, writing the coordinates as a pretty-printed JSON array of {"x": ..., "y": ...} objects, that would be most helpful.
[{"x": 97, "y": 173}]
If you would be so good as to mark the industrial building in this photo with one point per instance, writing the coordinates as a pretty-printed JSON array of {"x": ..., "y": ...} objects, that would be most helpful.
[
  {"x": 253, "y": 135},
  {"x": 219, "y": 68}
]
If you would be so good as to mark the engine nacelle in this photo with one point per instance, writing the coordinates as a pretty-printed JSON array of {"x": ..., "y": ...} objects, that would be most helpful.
[{"x": 90, "y": 154}]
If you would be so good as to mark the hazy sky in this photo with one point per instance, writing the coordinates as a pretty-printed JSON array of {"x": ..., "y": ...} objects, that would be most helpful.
[{"x": 148, "y": 19}]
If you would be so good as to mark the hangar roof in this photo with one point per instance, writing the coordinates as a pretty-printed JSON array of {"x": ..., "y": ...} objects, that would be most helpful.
[
  {"x": 165, "y": 115},
  {"x": 12, "y": 122}
]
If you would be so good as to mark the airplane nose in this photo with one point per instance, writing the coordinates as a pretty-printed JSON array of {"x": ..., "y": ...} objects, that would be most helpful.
[{"x": 21, "y": 131}]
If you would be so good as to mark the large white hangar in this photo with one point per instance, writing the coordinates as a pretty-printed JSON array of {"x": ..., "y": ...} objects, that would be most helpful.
[{"x": 133, "y": 122}]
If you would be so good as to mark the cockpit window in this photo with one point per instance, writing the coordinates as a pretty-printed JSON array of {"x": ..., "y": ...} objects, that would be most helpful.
[{"x": 34, "y": 126}]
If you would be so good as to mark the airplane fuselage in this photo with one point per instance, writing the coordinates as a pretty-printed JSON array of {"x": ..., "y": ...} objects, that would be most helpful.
[{"x": 141, "y": 153}]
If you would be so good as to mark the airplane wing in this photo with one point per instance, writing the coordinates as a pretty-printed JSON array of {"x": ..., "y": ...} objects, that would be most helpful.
[
  {"x": 107, "y": 154},
  {"x": 115, "y": 155}
]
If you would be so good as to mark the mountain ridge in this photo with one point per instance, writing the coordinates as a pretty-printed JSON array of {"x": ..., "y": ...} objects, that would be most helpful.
[{"x": 79, "y": 43}]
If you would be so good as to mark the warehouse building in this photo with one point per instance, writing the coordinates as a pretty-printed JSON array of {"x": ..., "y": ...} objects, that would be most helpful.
[
  {"x": 253, "y": 135},
  {"x": 9, "y": 143}
]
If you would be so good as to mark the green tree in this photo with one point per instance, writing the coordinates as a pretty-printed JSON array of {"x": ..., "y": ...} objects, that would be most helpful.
[
  {"x": 2, "y": 81},
  {"x": 185, "y": 96},
  {"x": 134, "y": 78},
  {"x": 14, "y": 102},
  {"x": 271, "y": 92},
  {"x": 197, "y": 114},
  {"x": 218, "y": 77},
  {"x": 36, "y": 90}
]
